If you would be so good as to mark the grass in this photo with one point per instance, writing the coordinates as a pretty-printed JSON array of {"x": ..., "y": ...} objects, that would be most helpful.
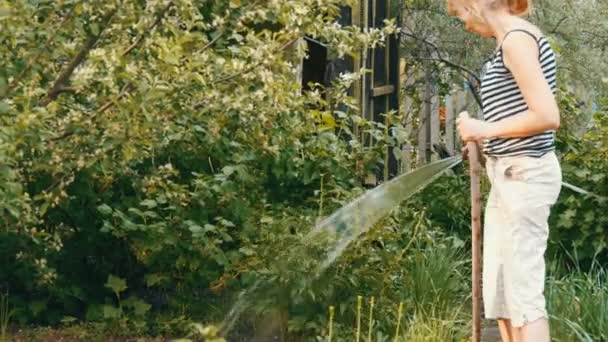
[
  {"x": 81, "y": 332},
  {"x": 5, "y": 317},
  {"x": 436, "y": 293},
  {"x": 434, "y": 324},
  {"x": 578, "y": 304},
  {"x": 436, "y": 277},
  {"x": 430, "y": 326}
]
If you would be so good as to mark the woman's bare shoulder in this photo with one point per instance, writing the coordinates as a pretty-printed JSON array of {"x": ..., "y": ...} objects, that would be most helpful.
[{"x": 528, "y": 26}]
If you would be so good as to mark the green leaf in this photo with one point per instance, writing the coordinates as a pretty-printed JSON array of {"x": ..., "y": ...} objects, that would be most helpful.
[
  {"x": 136, "y": 212},
  {"x": 95, "y": 312},
  {"x": 38, "y": 306},
  {"x": 266, "y": 220},
  {"x": 117, "y": 285},
  {"x": 598, "y": 177},
  {"x": 4, "y": 13},
  {"x": 140, "y": 308},
  {"x": 590, "y": 217},
  {"x": 16, "y": 213},
  {"x": 4, "y": 108},
  {"x": 246, "y": 251},
  {"x": 220, "y": 258},
  {"x": 195, "y": 228},
  {"x": 228, "y": 170},
  {"x": 104, "y": 210},
  {"x": 68, "y": 320},
  {"x": 570, "y": 213},
  {"x": 154, "y": 279},
  {"x": 210, "y": 228},
  {"x": 95, "y": 29},
  {"x": 110, "y": 312}
]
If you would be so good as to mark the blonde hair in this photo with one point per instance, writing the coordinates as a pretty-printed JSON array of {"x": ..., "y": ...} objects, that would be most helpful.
[{"x": 516, "y": 7}]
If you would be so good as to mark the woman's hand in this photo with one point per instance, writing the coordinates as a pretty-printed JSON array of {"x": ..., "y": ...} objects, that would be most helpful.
[{"x": 471, "y": 129}]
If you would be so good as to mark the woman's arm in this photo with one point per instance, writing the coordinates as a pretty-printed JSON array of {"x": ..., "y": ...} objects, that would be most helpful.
[{"x": 520, "y": 55}]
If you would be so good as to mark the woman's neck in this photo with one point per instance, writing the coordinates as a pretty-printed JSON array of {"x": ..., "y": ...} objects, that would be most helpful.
[{"x": 501, "y": 22}]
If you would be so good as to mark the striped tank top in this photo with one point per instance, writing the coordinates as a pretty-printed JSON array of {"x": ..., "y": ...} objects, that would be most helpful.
[{"x": 502, "y": 98}]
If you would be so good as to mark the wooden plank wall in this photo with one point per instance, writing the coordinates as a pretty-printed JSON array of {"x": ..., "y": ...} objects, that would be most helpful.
[{"x": 434, "y": 122}]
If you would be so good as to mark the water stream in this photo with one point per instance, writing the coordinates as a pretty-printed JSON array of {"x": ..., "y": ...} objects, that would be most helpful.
[
  {"x": 349, "y": 222},
  {"x": 357, "y": 217}
]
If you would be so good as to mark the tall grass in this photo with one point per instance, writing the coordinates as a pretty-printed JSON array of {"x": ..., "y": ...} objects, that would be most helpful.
[
  {"x": 436, "y": 276},
  {"x": 441, "y": 324},
  {"x": 429, "y": 325},
  {"x": 5, "y": 317},
  {"x": 578, "y": 304},
  {"x": 434, "y": 294}
]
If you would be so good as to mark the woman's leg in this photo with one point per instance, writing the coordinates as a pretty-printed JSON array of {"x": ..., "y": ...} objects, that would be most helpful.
[
  {"x": 504, "y": 326},
  {"x": 536, "y": 331},
  {"x": 508, "y": 332},
  {"x": 493, "y": 270},
  {"x": 529, "y": 189}
]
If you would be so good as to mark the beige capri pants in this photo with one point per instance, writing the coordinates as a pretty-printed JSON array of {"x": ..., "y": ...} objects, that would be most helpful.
[{"x": 515, "y": 236}]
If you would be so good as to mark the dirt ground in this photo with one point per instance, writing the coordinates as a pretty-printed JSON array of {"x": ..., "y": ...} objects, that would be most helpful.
[{"x": 71, "y": 335}]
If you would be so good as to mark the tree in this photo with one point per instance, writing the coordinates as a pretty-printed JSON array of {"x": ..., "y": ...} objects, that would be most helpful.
[
  {"x": 575, "y": 28},
  {"x": 150, "y": 140}
]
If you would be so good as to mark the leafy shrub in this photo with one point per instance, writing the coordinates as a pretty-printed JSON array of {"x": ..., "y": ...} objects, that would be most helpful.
[
  {"x": 168, "y": 156},
  {"x": 578, "y": 225}
]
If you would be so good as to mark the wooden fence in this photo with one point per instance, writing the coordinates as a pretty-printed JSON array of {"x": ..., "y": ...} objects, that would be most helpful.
[{"x": 431, "y": 120}]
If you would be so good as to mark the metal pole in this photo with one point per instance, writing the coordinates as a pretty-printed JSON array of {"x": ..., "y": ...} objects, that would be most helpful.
[{"x": 475, "y": 168}]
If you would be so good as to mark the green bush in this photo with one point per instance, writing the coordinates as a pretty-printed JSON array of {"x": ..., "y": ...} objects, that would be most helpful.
[
  {"x": 175, "y": 157},
  {"x": 578, "y": 224}
]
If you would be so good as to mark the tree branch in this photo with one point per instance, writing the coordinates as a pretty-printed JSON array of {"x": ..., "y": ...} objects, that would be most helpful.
[
  {"x": 439, "y": 57},
  {"x": 65, "y": 75},
  {"x": 129, "y": 86},
  {"x": 453, "y": 65},
  {"x": 231, "y": 77},
  {"x": 554, "y": 30},
  {"x": 123, "y": 92},
  {"x": 140, "y": 38},
  {"x": 44, "y": 48}
]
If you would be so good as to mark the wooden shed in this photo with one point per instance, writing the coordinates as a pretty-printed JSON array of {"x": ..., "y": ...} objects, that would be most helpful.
[{"x": 377, "y": 92}]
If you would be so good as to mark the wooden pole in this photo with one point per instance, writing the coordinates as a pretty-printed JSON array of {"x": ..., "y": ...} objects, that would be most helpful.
[
  {"x": 424, "y": 132},
  {"x": 435, "y": 121},
  {"x": 450, "y": 123},
  {"x": 473, "y": 155}
]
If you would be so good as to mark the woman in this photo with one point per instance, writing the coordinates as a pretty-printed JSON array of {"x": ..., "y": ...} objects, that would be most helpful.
[{"x": 520, "y": 118}]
